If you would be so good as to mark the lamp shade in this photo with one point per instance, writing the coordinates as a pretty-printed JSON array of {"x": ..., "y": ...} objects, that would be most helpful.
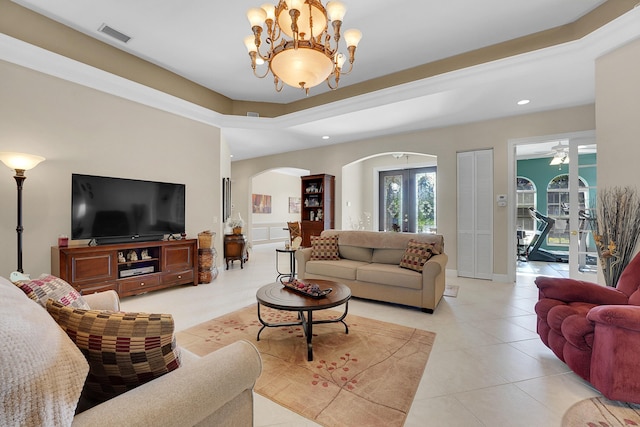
[
  {"x": 302, "y": 68},
  {"x": 256, "y": 16},
  {"x": 271, "y": 11},
  {"x": 352, "y": 37},
  {"x": 336, "y": 10},
  {"x": 250, "y": 43},
  {"x": 20, "y": 161}
]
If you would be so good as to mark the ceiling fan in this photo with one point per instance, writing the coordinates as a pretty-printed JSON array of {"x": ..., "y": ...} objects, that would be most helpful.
[{"x": 560, "y": 154}]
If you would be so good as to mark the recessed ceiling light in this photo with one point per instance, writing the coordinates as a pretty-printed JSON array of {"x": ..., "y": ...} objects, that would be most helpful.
[
  {"x": 326, "y": 137},
  {"x": 523, "y": 102}
]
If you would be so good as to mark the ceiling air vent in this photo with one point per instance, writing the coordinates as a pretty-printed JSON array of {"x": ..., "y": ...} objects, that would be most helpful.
[{"x": 104, "y": 28}]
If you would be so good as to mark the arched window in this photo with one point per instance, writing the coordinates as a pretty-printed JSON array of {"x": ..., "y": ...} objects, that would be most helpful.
[
  {"x": 526, "y": 198},
  {"x": 558, "y": 207}
]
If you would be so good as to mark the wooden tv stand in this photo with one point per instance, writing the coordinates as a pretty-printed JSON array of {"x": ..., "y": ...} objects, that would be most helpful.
[{"x": 92, "y": 269}]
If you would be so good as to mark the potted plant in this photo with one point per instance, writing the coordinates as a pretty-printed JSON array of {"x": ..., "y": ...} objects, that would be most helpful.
[
  {"x": 617, "y": 227},
  {"x": 235, "y": 224}
]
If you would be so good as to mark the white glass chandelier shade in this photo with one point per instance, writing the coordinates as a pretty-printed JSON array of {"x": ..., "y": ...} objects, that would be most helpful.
[
  {"x": 352, "y": 37},
  {"x": 20, "y": 161},
  {"x": 294, "y": 38},
  {"x": 301, "y": 67},
  {"x": 336, "y": 10}
]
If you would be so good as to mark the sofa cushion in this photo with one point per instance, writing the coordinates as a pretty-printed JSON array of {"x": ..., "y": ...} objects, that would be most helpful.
[
  {"x": 388, "y": 256},
  {"x": 124, "y": 350},
  {"x": 416, "y": 254},
  {"x": 47, "y": 286},
  {"x": 355, "y": 253},
  {"x": 343, "y": 269},
  {"x": 324, "y": 248},
  {"x": 388, "y": 274},
  {"x": 42, "y": 371}
]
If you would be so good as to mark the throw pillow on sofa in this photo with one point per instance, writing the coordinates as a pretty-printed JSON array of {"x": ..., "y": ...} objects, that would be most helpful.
[
  {"x": 324, "y": 248},
  {"x": 124, "y": 350},
  {"x": 48, "y": 287},
  {"x": 417, "y": 254}
]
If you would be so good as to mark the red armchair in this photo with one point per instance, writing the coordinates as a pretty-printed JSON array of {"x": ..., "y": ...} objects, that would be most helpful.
[{"x": 595, "y": 330}]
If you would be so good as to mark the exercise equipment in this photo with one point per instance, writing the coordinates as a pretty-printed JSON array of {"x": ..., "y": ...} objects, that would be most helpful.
[{"x": 534, "y": 252}]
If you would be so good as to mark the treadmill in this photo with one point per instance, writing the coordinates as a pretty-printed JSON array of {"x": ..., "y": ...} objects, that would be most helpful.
[{"x": 534, "y": 252}]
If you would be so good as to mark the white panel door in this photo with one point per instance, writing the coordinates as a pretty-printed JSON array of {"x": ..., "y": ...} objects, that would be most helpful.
[
  {"x": 475, "y": 214},
  {"x": 466, "y": 223}
]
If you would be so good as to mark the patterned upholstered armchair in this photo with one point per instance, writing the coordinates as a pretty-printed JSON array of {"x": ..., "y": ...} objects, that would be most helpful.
[{"x": 595, "y": 330}]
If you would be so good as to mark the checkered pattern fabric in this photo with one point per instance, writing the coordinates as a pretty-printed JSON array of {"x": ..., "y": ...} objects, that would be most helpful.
[
  {"x": 47, "y": 286},
  {"x": 124, "y": 350},
  {"x": 324, "y": 248},
  {"x": 417, "y": 254}
]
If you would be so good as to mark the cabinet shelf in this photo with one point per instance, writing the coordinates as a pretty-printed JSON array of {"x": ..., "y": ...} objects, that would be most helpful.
[
  {"x": 139, "y": 261},
  {"x": 318, "y": 194}
]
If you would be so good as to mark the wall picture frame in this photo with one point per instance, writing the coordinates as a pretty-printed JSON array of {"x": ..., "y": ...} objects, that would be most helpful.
[
  {"x": 294, "y": 205},
  {"x": 261, "y": 203}
]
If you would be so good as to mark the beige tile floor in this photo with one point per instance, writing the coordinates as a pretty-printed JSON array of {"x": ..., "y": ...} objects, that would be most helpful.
[{"x": 487, "y": 366}]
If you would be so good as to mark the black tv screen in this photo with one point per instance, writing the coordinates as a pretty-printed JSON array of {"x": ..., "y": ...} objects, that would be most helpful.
[{"x": 116, "y": 209}]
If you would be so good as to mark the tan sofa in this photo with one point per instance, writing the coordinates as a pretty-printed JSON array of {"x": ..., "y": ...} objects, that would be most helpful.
[
  {"x": 369, "y": 265},
  {"x": 42, "y": 373}
]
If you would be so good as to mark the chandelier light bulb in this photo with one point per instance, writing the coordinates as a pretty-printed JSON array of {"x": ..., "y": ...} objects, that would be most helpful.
[
  {"x": 256, "y": 16},
  {"x": 270, "y": 10},
  {"x": 352, "y": 37},
  {"x": 250, "y": 43},
  {"x": 336, "y": 10}
]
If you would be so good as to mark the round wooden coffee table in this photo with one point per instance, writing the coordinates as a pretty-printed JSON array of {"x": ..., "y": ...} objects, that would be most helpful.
[{"x": 277, "y": 296}]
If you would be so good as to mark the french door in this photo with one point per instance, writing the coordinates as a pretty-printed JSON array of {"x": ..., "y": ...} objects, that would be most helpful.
[
  {"x": 582, "y": 250},
  {"x": 407, "y": 200}
]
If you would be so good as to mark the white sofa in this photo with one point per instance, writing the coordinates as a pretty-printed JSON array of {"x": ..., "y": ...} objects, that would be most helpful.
[
  {"x": 369, "y": 265},
  {"x": 42, "y": 373}
]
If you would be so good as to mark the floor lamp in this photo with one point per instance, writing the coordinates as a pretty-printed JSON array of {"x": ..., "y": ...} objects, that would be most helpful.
[{"x": 20, "y": 162}]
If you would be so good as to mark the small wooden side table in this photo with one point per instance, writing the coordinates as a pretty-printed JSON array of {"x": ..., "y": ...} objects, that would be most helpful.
[{"x": 235, "y": 248}]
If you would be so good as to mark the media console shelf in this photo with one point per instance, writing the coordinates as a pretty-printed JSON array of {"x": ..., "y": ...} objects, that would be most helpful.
[{"x": 155, "y": 265}]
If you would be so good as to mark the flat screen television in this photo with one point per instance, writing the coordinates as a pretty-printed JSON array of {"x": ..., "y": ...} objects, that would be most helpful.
[{"x": 116, "y": 210}]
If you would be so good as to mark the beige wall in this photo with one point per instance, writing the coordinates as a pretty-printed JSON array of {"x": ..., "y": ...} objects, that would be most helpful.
[
  {"x": 81, "y": 130},
  {"x": 280, "y": 187},
  {"x": 618, "y": 116},
  {"x": 353, "y": 198},
  {"x": 443, "y": 143}
]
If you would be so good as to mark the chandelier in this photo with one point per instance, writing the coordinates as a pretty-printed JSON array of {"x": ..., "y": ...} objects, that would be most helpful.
[{"x": 300, "y": 51}]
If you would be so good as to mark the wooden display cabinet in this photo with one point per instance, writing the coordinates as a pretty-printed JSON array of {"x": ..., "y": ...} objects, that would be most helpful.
[
  {"x": 318, "y": 205},
  {"x": 127, "y": 268}
]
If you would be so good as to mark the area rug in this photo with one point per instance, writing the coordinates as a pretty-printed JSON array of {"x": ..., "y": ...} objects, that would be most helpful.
[
  {"x": 366, "y": 377},
  {"x": 602, "y": 412},
  {"x": 451, "y": 290}
]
